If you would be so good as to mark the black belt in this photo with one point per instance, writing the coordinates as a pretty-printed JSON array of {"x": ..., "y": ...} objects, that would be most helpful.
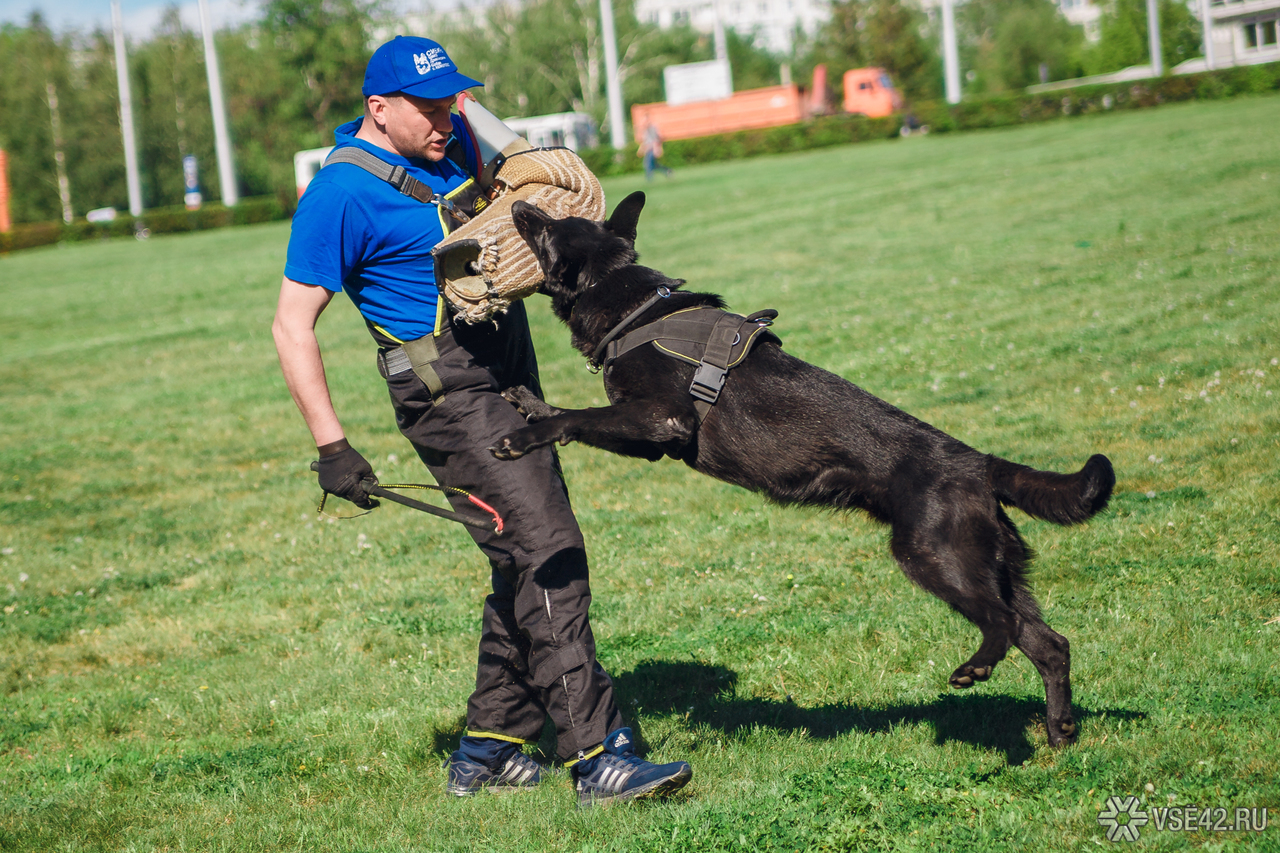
[{"x": 419, "y": 356}]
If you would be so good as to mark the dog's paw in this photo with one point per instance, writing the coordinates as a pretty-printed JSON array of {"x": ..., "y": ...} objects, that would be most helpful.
[
  {"x": 505, "y": 450},
  {"x": 1062, "y": 732},
  {"x": 528, "y": 404},
  {"x": 968, "y": 674}
]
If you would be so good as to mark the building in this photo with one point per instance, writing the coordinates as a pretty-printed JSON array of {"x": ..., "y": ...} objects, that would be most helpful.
[
  {"x": 773, "y": 22},
  {"x": 1244, "y": 31}
]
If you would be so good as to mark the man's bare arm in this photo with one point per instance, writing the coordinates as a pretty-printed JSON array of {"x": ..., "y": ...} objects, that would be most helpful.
[{"x": 294, "y": 331}]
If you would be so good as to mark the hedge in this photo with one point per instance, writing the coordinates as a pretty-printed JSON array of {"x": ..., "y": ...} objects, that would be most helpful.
[{"x": 160, "y": 220}]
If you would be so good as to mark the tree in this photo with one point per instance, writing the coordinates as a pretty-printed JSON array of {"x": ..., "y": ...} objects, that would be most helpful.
[
  {"x": 171, "y": 105},
  {"x": 546, "y": 56},
  {"x": 1124, "y": 39},
  {"x": 885, "y": 33},
  {"x": 1005, "y": 43},
  {"x": 31, "y": 62},
  {"x": 325, "y": 43}
]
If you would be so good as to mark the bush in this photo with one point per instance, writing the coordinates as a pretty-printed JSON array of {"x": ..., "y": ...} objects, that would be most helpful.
[
  {"x": 160, "y": 220},
  {"x": 817, "y": 133}
]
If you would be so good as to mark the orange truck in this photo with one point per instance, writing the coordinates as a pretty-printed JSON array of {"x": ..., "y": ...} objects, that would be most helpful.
[
  {"x": 870, "y": 92},
  {"x": 771, "y": 106},
  {"x": 867, "y": 91}
]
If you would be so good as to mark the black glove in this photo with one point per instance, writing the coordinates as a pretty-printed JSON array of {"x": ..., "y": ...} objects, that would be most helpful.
[{"x": 341, "y": 469}]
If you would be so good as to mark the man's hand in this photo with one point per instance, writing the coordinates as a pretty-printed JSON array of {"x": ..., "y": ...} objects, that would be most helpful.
[{"x": 341, "y": 469}]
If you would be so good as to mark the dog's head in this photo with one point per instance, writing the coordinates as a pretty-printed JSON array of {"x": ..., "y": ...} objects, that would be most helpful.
[{"x": 576, "y": 253}]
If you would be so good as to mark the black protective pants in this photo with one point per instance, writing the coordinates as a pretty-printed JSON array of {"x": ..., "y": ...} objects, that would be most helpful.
[{"x": 537, "y": 652}]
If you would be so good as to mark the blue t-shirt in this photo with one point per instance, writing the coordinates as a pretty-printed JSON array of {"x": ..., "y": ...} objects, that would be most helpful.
[{"x": 353, "y": 231}]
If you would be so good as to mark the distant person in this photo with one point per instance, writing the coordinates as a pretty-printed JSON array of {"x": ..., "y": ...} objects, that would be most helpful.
[
  {"x": 651, "y": 150},
  {"x": 356, "y": 231}
]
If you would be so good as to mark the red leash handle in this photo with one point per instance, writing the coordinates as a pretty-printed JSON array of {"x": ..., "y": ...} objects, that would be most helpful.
[{"x": 383, "y": 491}]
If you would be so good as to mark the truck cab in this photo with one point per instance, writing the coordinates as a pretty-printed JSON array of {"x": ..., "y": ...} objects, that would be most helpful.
[{"x": 870, "y": 92}]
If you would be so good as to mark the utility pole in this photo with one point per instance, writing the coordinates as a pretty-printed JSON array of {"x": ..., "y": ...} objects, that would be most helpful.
[
  {"x": 1153, "y": 38},
  {"x": 126, "y": 114},
  {"x": 950, "y": 53},
  {"x": 721, "y": 43},
  {"x": 617, "y": 121},
  {"x": 1206, "y": 18},
  {"x": 221, "y": 139}
]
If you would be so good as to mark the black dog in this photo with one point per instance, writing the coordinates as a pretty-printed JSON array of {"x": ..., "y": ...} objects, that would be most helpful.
[{"x": 802, "y": 435}]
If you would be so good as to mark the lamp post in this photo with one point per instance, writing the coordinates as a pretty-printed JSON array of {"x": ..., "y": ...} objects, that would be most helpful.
[
  {"x": 221, "y": 139},
  {"x": 617, "y": 122},
  {"x": 1206, "y": 18},
  {"x": 950, "y": 53},
  {"x": 1153, "y": 38},
  {"x": 126, "y": 114}
]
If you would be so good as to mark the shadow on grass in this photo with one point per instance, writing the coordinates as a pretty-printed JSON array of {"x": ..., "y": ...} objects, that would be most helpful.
[{"x": 706, "y": 694}]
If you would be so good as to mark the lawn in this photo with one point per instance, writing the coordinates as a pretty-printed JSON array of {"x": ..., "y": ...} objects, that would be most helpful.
[{"x": 192, "y": 659}]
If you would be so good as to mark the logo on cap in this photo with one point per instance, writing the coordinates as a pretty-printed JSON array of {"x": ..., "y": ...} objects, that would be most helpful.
[{"x": 433, "y": 60}]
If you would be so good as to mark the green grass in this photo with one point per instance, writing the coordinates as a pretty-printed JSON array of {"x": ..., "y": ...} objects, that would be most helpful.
[{"x": 191, "y": 659}]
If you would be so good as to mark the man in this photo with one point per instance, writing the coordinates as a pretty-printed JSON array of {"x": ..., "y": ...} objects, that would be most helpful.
[
  {"x": 355, "y": 231},
  {"x": 651, "y": 150}
]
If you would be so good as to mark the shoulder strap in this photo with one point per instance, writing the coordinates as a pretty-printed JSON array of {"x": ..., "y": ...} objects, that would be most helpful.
[
  {"x": 397, "y": 176},
  {"x": 456, "y": 155},
  {"x": 694, "y": 329}
]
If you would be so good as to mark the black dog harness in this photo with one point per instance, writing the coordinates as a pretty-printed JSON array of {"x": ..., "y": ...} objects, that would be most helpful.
[{"x": 714, "y": 340}]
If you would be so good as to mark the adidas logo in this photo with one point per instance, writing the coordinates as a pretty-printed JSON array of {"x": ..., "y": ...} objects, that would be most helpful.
[{"x": 621, "y": 740}]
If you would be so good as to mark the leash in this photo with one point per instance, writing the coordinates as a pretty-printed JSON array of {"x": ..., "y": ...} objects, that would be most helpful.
[
  {"x": 372, "y": 486},
  {"x": 593, "y": 363}
]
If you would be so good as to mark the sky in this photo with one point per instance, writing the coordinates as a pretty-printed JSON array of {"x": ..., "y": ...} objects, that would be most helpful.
[{"x": 140, "y": 16}]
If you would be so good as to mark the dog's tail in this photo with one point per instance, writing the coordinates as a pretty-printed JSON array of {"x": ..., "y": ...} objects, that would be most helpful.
[{"x": 1060, "y": 498}]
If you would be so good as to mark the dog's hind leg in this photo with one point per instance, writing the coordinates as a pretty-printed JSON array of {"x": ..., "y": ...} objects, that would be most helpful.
[
  {"x": 1000, "y": 555},
  {"x": 1047, "y": 650},
  {"x": 965, "y": 575},
  {"x": 1050, "y": 652}
]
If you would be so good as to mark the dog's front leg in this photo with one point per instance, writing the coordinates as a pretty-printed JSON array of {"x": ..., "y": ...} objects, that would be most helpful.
[{"x": 645, "y": 428}]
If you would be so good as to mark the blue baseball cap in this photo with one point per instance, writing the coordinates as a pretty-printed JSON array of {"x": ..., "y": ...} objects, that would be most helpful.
[{"x": 414, "y": 66}]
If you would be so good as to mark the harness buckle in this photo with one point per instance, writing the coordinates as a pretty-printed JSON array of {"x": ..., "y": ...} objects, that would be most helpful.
[
  {"x": 453, "y": 210},
  {"x": 707, "y": 382}
]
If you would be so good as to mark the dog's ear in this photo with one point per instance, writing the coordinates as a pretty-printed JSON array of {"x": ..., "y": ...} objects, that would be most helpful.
[{"x": 625, "y": 216}]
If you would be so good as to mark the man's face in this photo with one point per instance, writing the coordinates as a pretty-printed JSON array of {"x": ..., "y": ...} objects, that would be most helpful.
[{"x": 417, "y": 127}]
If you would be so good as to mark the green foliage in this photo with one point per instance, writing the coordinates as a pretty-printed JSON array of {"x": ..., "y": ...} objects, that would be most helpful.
[
  {"x": 324, "y": 48},
  {"x": 1004, "y": 43},
  {"x": 753, "y": 67},
  {"x": 240, "y": 674},
  {"x": 547, "y": 57},
  {"x": 290, "y": 79},
  {"x": 886, "y": 33},
  {"x": 34, "y": 64},
  {"x": 288, "y": 82},
  {"x": 172, "y": 118},
  {"x": 1125, "y": 42}
]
